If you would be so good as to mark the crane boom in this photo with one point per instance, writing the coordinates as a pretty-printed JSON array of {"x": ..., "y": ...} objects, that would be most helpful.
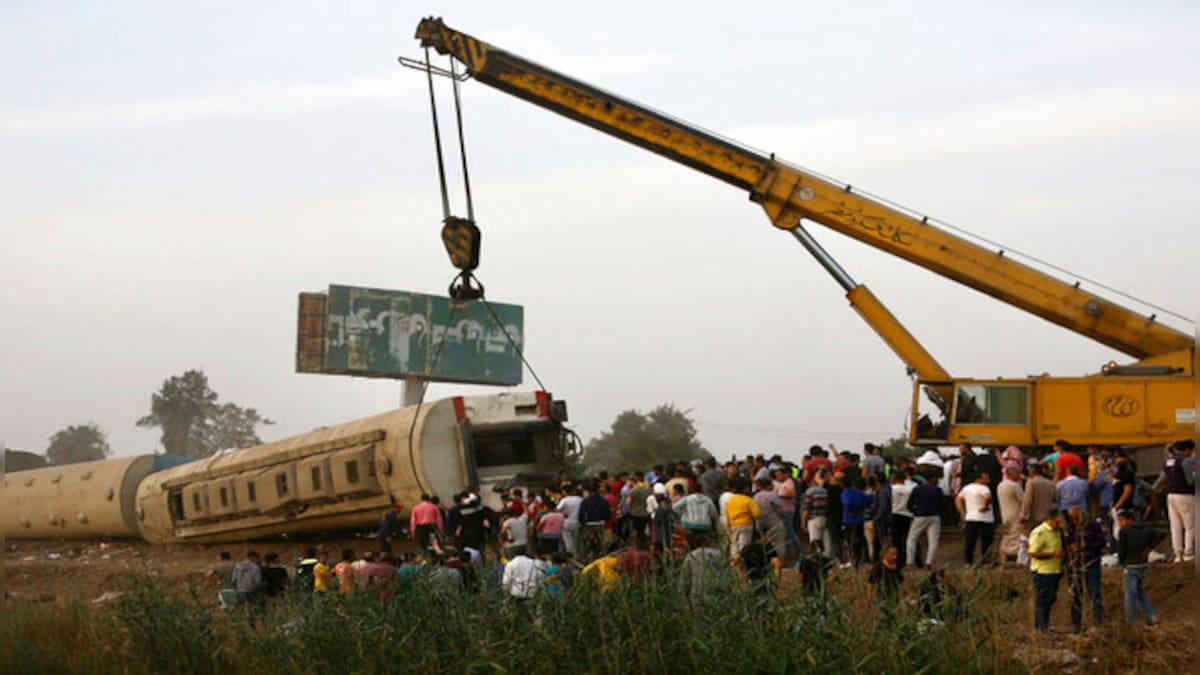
[{"x": 789, "y": 194}]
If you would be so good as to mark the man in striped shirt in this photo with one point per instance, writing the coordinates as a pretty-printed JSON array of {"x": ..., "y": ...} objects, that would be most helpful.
[{"x": 814, "y": 517}]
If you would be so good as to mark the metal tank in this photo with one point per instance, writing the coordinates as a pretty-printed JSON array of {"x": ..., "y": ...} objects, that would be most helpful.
[
  {"x": 72, "y": 501},
  {"x": 346, "y": 476}
]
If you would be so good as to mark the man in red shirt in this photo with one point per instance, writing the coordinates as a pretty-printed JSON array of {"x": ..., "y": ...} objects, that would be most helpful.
[
  {"x": 818, "y": 459},
  {"x": 425, "y": 523},
  {"x": 1066, "y": 459},
  {"x": 634, "y": 563}
]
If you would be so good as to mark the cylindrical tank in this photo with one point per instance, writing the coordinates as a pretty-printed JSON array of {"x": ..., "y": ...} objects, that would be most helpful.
[{"x": 89, "y": 499}]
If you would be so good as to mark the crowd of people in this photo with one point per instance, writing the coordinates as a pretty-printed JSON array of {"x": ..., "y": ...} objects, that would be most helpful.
[{"x": 744, "y": 521}]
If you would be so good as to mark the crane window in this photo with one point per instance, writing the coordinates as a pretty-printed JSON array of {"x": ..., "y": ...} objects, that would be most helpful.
[{"x": 992, "y": 404}]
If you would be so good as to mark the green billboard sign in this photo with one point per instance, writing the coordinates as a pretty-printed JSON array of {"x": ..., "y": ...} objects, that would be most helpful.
[{"x": 372, "y": 332}]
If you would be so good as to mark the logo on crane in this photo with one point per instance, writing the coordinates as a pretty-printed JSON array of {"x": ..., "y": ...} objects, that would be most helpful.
[{"x": 1120, "y": 405}]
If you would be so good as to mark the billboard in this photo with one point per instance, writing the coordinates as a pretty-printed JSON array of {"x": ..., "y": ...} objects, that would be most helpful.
[{"x": 371, "y": 332}]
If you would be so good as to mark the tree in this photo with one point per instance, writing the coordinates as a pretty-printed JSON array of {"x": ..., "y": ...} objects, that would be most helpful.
[
  {"x": 898, "y": 447},
  {"x": 77, "y": 443},
  {"x": 637, "y": 441},
  {"x": 232, "y": 426},
  {"x": 193, "y": 423}
]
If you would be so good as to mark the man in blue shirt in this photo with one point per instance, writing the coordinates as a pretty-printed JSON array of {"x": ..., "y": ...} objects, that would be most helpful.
[
  {"x": 1072, "y": 491},
  {"x": 925, "y": 503}
]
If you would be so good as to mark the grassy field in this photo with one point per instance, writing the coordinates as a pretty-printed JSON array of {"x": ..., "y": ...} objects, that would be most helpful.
[{"x": 160, "y": 625}]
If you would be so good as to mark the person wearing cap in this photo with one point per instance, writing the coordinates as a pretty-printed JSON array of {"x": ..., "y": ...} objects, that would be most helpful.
[{"x": 1046, "y": 562}]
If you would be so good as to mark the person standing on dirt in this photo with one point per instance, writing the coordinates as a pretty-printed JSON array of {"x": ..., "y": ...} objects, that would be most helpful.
[
  {"x": 1010, "y": 495},
  {"x": 388, "y": 527},
  {"x": 975, "y": 508},
  {"x": 221, "y": 574},
  {"x": 426, "y": 524},
  {"x": 1046, "y": 562},
  {"x": 1039, "y": 499},
  {"x": 1179, "y": 475},
  {"x": 1133, "y": 553},
  {"x": 1085, "y": 540},
  {"x": 474, "y": 524},
  {"x": 322, "y": 574},
  {"x": 902, "y": 487},
  {"x": 275, "y": 576},
  {"x": 925, "y": 503},
  {"x": 248, "y": 581}
]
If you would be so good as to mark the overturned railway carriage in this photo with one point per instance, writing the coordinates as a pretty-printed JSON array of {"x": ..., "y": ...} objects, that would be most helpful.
[{"x": 338, "y": 477}]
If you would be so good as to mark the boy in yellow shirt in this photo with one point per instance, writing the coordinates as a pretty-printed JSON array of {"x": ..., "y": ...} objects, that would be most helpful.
[{"x": 740, "y": 513}]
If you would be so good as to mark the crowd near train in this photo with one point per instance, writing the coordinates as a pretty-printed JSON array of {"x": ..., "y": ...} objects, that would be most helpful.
[{"x": 333, "y": 478}]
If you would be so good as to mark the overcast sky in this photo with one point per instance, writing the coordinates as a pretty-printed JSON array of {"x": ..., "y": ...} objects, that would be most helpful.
[{"x": 173, "y": 174}]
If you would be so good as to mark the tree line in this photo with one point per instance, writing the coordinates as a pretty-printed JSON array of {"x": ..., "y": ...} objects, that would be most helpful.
[{"x": 192, "y": 419}]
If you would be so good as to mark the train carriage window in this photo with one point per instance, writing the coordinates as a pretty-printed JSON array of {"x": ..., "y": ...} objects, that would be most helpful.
[
  {"x": 316, "y": 478},
  {"x": 281, "y": 485},
  {"x": 175, "y": 504},
  {"x": 352, "y": 471},
  {"x": 501, "y": 450},
  {"x": 251, "y": 492},
  {"x": 224, "y": 494},
  {"x": 196, "y": 502}
]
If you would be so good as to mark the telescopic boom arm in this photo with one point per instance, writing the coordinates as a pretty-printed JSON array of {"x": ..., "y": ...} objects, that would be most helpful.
[{"x": 789, "y": 194}]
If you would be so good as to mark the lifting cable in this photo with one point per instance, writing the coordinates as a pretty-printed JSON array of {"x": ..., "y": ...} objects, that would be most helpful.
[
  {"x": 471, "y": 288},
  {"x": 462, "y": 146},
  {"x": 437, "y": 139}
]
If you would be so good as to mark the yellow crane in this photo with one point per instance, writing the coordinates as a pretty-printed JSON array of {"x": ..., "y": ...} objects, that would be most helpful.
[{"x": 1145, "y": 402}]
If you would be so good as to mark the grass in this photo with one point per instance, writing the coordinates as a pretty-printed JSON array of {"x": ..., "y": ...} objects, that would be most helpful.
[{"x": 647, "y": 628}]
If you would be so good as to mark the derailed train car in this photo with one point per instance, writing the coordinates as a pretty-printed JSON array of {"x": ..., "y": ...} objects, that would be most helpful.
[{"x": 337, "y": 477}]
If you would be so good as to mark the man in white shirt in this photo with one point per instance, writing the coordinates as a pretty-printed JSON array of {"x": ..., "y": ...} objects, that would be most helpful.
[
  {"x": 514, "y": 533},
  {"x": 974, "y": 504},
  {"x": 569, "y": 507},
  {"x": 522, "y": 578},
  {"x": 721, "y": 502},
  {"x": 902, "y": 488}
]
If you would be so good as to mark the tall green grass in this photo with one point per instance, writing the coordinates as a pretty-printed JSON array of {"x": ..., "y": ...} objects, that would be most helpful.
[{"x": 651, "y": 627}]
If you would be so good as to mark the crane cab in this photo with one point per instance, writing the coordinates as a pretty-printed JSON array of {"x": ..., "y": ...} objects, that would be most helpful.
[{"x": 1096, "y": 410}]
